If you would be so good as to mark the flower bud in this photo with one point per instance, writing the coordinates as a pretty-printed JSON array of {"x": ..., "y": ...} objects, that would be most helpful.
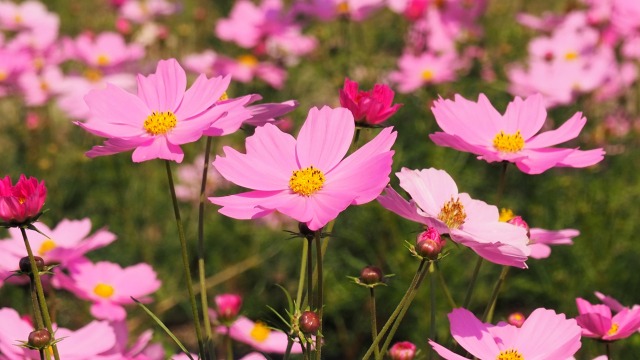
[
  {"x": 371, "y": 275},
  {"x": 516, "y": 319},
  {"x": 518, "y": 221},
  {"x": 25, "y": 264},
  {"x": 309, "y": 322},
  {"x": 228, "y": 306},
  {"x": 39, "y": 338},
  {"x": 429, "y": 243},
  {"x": 403, "y": 350}
]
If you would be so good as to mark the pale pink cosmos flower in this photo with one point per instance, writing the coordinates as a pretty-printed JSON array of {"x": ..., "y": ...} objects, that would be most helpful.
[
  {"x": 39, "y": 87},
  {"x": 140, "y": 349},
  {"x": 370, "y": 107},
  {"x": 259, "y": 336},
  {"x": 160, "y": 118},
  {"x": 109, "y": 286},
  {"x": 329, "y": 10},
  {"x": 540, "y": 239},
  {"x": 25, "y": 15},
  {"x": 21, "y": 202},
  {"x": 597, "y": 322},
  {"x": 91, "y": 342},
  {"x": 427, "y": 68},
  {"x": 473, "y": 223},
  {"x": 478, "y": 128},
  {"x": 144, "y": 11},
  {"x": 306, "y": 178},
  {"x": 106, "y": 50},
  {"x": 544, "y": 335}
]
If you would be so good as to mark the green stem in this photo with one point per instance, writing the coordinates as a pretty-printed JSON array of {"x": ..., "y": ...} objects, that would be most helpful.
[
  {"x": 320, "y": 299},
  {"x": 40, "y": 292},
  {"x": 445, "y": 288},
  {"x": 432, "y": 291},
  {"x": 374, "y": 326},
  {"x": 472, "y": 283},
  {"x": 502, "y": 183},
  {"x": 310, "y": 273},
  {"x": 37, "y": 313},
  {"x": 185, "y": 261},
  {"x": 201, "y": 266},
  {"x": 395, "y": 313},
  {"x": 488, "y": 311},
  {"x": 289, "y": 347},
  {"x": 303, "y": 266},
  {"x": 229, "y": 346},
  {"x": 607, "y": 349}
]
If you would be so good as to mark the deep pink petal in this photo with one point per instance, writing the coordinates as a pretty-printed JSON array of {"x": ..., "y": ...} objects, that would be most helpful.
[
  {"x": 245, "y": 205},
  {"x": 538, "y": 161}
]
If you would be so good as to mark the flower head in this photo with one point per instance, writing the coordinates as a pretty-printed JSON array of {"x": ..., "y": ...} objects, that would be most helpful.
[
  {"x": 544, "y": 335},
  {"x": 596, "y": 321},
  {"x": 228, "y": 306},
  {"x": 259, "y": 336},
  {"x": 478, "y": 128},
  {"x": 402, "y": 350},
  {"x": 305, "y": 178},
  {"x": 21, "y": 203},
  {"x": 436, "y": 203},
  {"x": 369, "y": 107},
  {"x": 161, "y": 117}
]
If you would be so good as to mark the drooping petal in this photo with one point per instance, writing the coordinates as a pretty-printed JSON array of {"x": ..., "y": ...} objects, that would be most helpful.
[
  {"x": 245, "y": 205},
  {"x": 444, "y": 352},
  {"x": 538, "y": 161},
  {"x": 582, "y": 158}
]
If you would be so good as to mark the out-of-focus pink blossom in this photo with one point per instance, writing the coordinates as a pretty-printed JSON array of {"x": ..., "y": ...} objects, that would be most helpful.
[
  {"x": 369, "y": 107},
  {"x": 22, "y": 202},
  {"x": 597, "y": 322},
  {"x": 402, "y": 350},
  {"x": 540, "y": 239},
  {"x": 259, "y": 336},
  {"x": 38, "y": 88},
  {"x": 328, "y": 10},
  {"x": 425, "y": 69},
  {"x": 228, "y": 307},
  {"x": 143, "y": 11},
  {"x": 106, "y": 50}
]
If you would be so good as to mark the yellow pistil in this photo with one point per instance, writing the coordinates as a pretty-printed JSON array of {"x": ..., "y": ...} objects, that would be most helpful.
[
  {"x": 427, "y": 75},
  {"x": 248, "y": 60},
  {"x": 510, "y": 354},
  {"x": 47, "y": 246},
  {"x": 452, "y": 214},
  {"x": 506, "y": 215},
  {"x": 93, "y": 75},
  {"x": 103, "y": 290},
  {"x": 614, "y": 329},
  {"x": 159, "y": 123},
  {"x": 571, "y": 55},
  {"x": 306, "y": 181},
  {"x": 260, "y": 332},
  {"x": 103, "y": 60},
  {"x": 510, "y": 143},
  {"x": 343, "y": 8}
]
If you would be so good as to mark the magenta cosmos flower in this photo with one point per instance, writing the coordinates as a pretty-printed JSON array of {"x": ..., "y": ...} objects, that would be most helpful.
[
  {"x": 306, "y": 178},
  {"x": 544, "y": 335},
  {"x": 477, "y": 127},
  {"x": 436, "y": 203},
  {"x": 597, "y": 322},
  {"x": 21, "y": 203},
  {"x": 369, "y": 107},
  {"x": 161, "y": 116}
]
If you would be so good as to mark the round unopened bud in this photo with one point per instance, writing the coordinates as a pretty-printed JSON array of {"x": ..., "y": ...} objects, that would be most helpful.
[
  {"x": 25, "y": 264},
  {"x": 305, "y": 231},
  {"x": 403, "y": 350},
  {"x": 518, "y": 221},
  {"x": 516, "y": 319},
  {"x": 371, "y": 275},
  {"x": 309, "y": 322},
  {"x": 40, "y": 338},
  {"x": 429, "y": 249},
  {"x": 430, "y": 234}
]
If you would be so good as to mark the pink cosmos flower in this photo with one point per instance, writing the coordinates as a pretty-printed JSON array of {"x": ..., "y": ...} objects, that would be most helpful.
[
  {"x": 540, "y": 239},
  {"x": 109, "y": 286},
  {"x": 305, "y": 178},
  {"x": 39, "y": 87},
  {"x": 259, "y": 336},
  {"x": 140, "y": 349},
  {"x": 92, "y": 341},
  {"x": 544, "y": 335},
  {"x": 328, "y": 10},
  {"x": 369, "y": 107},
  {"x": 611, "y": 302},
  {"x": 473, "y": 223},
  {"x": 145, "y": 11},
  {"x": 427, "y": 68},
  {"x": 478, "y": 128},
  {"x": 21, "y": 202},
  {"x": 596, "y": 321},
  {"x": 160, "y": 118},
  {"x": 106, "y": 50}
]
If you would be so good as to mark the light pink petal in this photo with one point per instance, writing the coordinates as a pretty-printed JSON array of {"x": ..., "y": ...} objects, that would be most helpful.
[
  {"x": 325, "y": 138},
  {"x": 163, "y": 90},
  {"x": 115, "y": 113},
  {"x": 628, "y": 321},
  {"x": 539, "y": 251},
  {"x": 476, "y": 123},
  {"x": 228, "y": 116},
  {"x": 456, "y": 142},
  {"x": 472, "y": 334},
  {"x": 108, "y": 311},
  {"x": 582, "y": 158},
  {"x": 268, "y": 164},
  {"x": 159, "y": 148},
  {"x": 569, "y": 130},
  {"x": 554, "y": 237},
  {"x": 86, "y": 342},
  {"x": 444, "y": 352},
  {"x": 547, "y": 335},
  {"x": 326, "y": 206},
  {"x": 392, "y": 201},
  {"x": 526, "y": 116},
  {"x": 262, "y": 113},
  {"x": 137, "y": 280},
  {"x": 498, "y": 253},
  {"x": 429, "y": 188},
  {"x": 202, "y": 94},
  {"x": 115, "y": 146},
  {"x": 541, "y": 160},
  {"x": 244, "y": 206}
]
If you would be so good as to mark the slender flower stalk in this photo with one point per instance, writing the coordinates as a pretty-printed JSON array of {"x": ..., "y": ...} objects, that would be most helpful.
[
  {"x": 228, "y": 347},
  {"x": 201, "y": 267},
  {"x": 491, "y": 305},
  {"x": 185, "y": 260},
  {"x": 445, "y": 288},
  {"x": 40, "y": 292},
  {"x": 374, "y": 326},
  {"x": 320, "y": 299},
  {"x": 472, "y": 283},
  {"x": 432, "y": 304}
]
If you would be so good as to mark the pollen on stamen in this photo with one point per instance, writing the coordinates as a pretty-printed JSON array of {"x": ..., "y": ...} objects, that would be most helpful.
[
  {"x": 160, "y": 123},
  {"x": 510, "y": 354},
  {"x": 453, "y": 214},
  {"x": 509, "y": 143},
  {"x": 306, "y": 181}
]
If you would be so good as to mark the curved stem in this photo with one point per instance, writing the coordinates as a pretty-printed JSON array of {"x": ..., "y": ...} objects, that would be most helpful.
[
  {"x": 42, "y": 302},
  {"x": 445, "y": 288},
  {"x": 201, "y": 267},
  {"x": 185, "y": 261},
  {"x": 374, "y": 326},
  {"x": 320, "y": 299},
  {"x": 472, "y": 283}
]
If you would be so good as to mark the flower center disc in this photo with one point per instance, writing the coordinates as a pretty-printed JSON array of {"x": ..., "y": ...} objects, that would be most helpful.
[
  {"x": 160, "y": 123},
  {"x": 260, "y": 332},
  {"x": 510, "y": 143},
  {"x": 103, "y": 290},
  {"x": 103, "y": 60},
  {"x": 452, "y": 214},
  {"x": 614, "y": 329},
  {"x": 510, "y": 354},
  {"x": 306, "y": 181},
  {"x": 47, "y": 246},
  {"x": 427, "y": 75}
]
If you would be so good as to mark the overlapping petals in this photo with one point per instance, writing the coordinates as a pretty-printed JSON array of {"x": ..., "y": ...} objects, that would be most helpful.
[
  {"x": 597, "y": 322},
  {"x": 22, "y": 202}
]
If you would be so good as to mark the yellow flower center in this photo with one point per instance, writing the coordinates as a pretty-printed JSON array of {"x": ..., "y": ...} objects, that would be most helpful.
[
  {"x": 510, "y": 143},
  {"x": 427, "y": 75},
  {"x": 306, "y": 181},
  {"x": 510, "y": 354},
  {"x": 224, "y": 96},
  {"x": 17, "y": 19},
  {"x": 248, "y": 60},
  {"x": 103, "y": 60},
  {"x": 3, "y": 75},
  {"x": 343, "y": 8},
  {"x": 44, "y": 86},
  {"x": 93, "y": 75},
  {"x": 452, "y": 214},
  {"x": 103, "y": 290},
  {"x": 571, "y": 55},
  {"x": 260, "y": 332},
  {"x": 160, "y": 123},
  {"x": 506, "y": 215},
  {"x": 47, "y": 246},
  {"x": 614, "y": 329}
]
